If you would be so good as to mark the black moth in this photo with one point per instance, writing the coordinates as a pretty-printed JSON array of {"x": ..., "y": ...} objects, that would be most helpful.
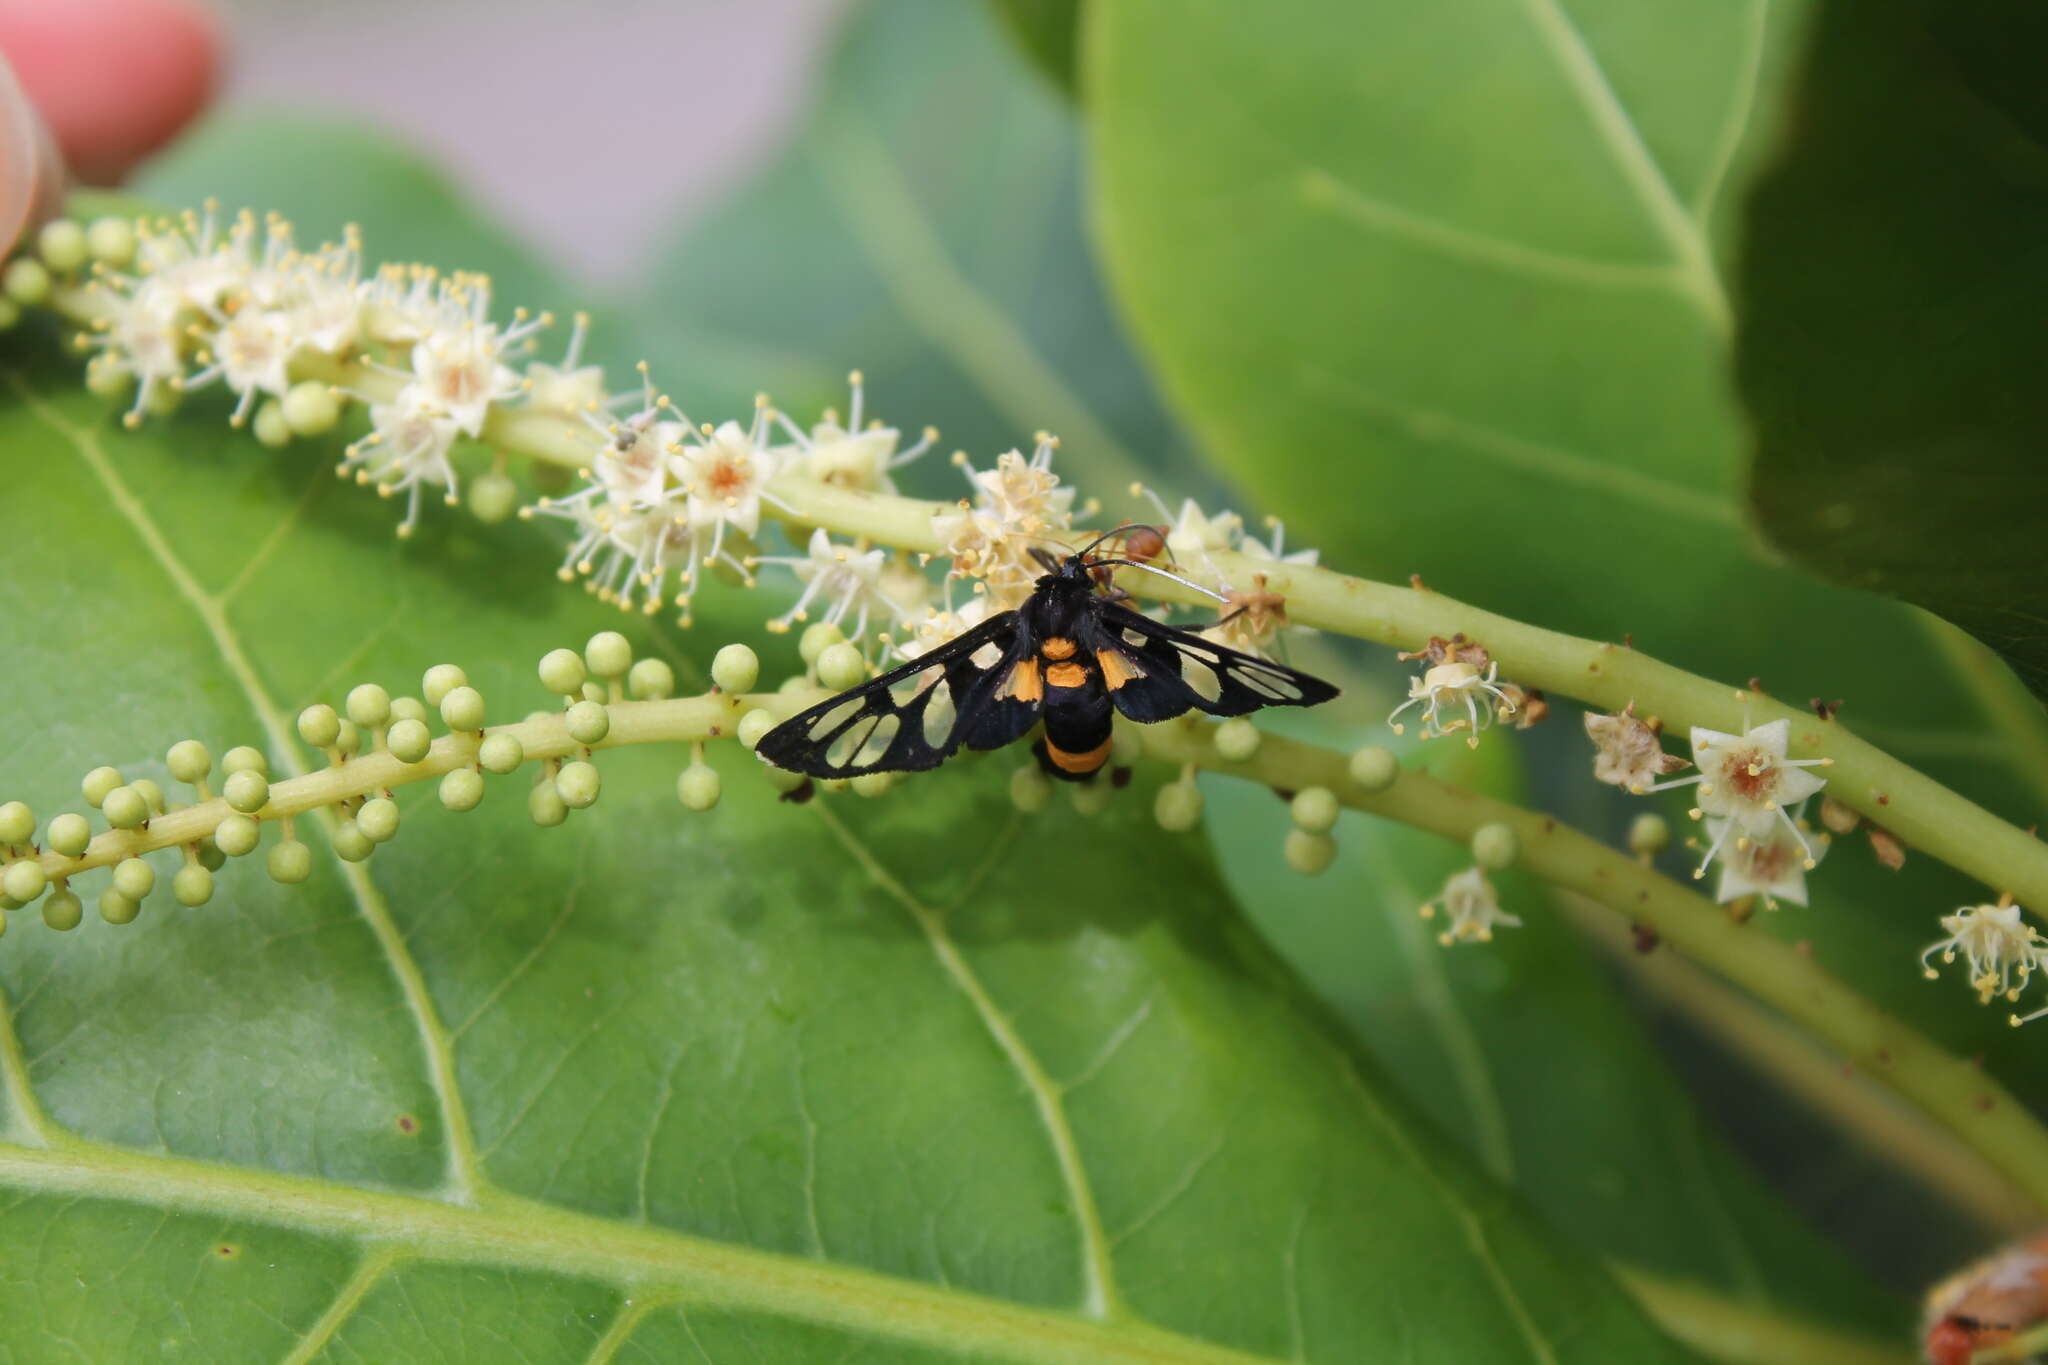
[{"x": 1067, "y": 656}]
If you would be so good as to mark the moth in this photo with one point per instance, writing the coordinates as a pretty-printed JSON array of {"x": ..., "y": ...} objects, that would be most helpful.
[{"x": 1071, "y": 656}]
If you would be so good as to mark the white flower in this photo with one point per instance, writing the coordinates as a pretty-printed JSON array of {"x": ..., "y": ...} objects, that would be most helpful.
[
  {"x": 2001, "y": 950},
  {"x": 724, "y": 471},
  {"x": 1454, "y": 680},
  {"x": 1472, "y": 908},
  {"x": 406, "y": 451},
  {"x": 1193, "y": 536},
  {"x": 1017, "y": 505},
  {"x": 1628, "y": 750},
  {"x": 144, "y": 339},
  {"x": 250, "y": 354},
  {"x": 850, "y": 581},
  {"x": 853, "y": 456},
  {"x": 460, "y": 367},
  {"x": 944, "y": 626},
  {"x": 1773, "y": 865},
  {"x": 1747, "y": 779}
]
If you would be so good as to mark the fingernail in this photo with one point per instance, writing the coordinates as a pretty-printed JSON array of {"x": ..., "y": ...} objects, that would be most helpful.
[{"x": 31, "y": 176}]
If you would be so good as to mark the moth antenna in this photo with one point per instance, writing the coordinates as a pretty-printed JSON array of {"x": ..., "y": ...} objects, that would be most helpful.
[{"x": 1153, "y": 568}]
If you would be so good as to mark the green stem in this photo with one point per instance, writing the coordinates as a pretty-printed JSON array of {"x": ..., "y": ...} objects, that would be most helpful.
[{"x": 1722, "y": 1328}]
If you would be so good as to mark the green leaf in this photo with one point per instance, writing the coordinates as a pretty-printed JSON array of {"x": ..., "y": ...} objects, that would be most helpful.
[
  {"x": 1888, "y": 352},
  {"x": 1048, "y": 32}
]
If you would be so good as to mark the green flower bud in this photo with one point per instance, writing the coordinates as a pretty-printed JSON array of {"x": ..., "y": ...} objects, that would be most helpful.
[
  {"x": 409, "y": 708},
  {"x": 1030, "y": 789},
  {"x": 134, "y": 878},
  {"x": 697, "y": 787},
  {"x": 462, "y": 789},
  {"x": 116, "y": 908},
  {"x": 1178, "y": 807},
  {"x": 189, "y": 761},
  {"x": 236, "y": 835},
  {"x": 290, "y": 862},
  {"x": 735, "y": 669},
  {"x": 377, "y": 818},
  {"x": 351, "y": 844},
  {"x": 62, "y": 245},
  {"x": 1375, "y": 768},
  {"x": 409, "y": 740},
  {"x": 1495, "y": 846},
  {"x": 1091, "y": 798},
  {"x": 651, "y": 680},
  {"x": 349, "y": 738},
  {"x": 816, "y": 639},
  {"x": 17, "y": 823},
  {"x": 244, "y": 759},
  {"x": 69, "y": 834},
  {"x": 124, "y": 808},
  {"x": 111, "y": 241},
  {"x": 211, "y": 856},
  {"x": 753, "y": 725},
  {"x": 463, "y": 709},
  {"x": 1309, "y": 854},
  {"x": 193, "y": 886},
  {"x": 63, "y": 910},
  {"x": 310, "y": 408},
  {"x": 588, "y": 722},
  {"x": 97, "y": 784},
  {"x": 23, "y": 880},
  {"x": 782, "y": 779},
  {"x": 873, "y": 784},
  {"x": 26, "y": 281},
  {"x": 369, "y": 705},
  {"x": 546, "y": 806},
  {"x": 319, "y": 726},
  {"x": 152, "y": 795},
  {"x": 561, "y": 671},
  {"x": 1649, "y": 835},
  {"x": 1314, "y": 809},
  {"x": 246, "y": 790},
  {"x": 501, "y": 753},
  {"x": 439, "y": 681},
  {"x": 1237, "y": 740},
  {"x": 578, "y": 784},
  {"x": 493, "y": 498},
  {"x": 270, "y": 426},
  {"x": 841, "y": 666},
  {"x": 609, "y": 654}
]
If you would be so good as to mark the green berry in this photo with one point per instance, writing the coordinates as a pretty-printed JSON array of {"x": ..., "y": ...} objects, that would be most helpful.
[
  {"x": 97, "y": 784},
  {"x": 577, "y": 784},
  {"x": 212, "y": 856},
  {"x": 189, "y": 761},
  {"x": 62, "y": 245},
  {"x": 26, "y": 281},
  {"x": 291, "y": 862},
  {"x": 23, "y": 880},
  {"x": 782, "y": 779},
  {"x": 493, "y": 498},
  {"x": 1030, "y": 788},
  {"x": 735, "y": 669},
  {"x": 1649, "y": 834},
  {"x": 609, "y": 654},
  {"x": 236, "y": 835},
  {"x": 351, "y": 844},
  {"x": 651, "y": 680},
  {"x": 270, "y": 426},
  {"x": 349, "y": 737},
  {"x": 588, "y": 722},
  {"x": 409, "y": 740},
  {"x": 462, "y": 789},
  {"x": 319, "y": 726},
  {"x": 1178, "y": 807},
  {"x": 501, "y": 753},
  {"x": 246, "y": 790},
  {"x": 310, "y": 408},
  {"x": 1375, "y": 768},
  {"x": 63, "y": 910},
  {"x": 124, "y": 808},
  {"x": 134, "y": 878},
  {"x": 546, "y": 806},
  {"x": 69, "y": 834},
  {"x": 116, "y": 908},
  {"x": 440, "y": 680},
  {"x": 111, "y": 240},
  {"x": 17, "y": 823},
  {"x": 463, "y": 709},
  {"x": 1495, "y": 846},
  {"x": 816, "y": 639},
  {"x": 152, "y": 795},
  {"x": 1091, "y": 798},
  {"x": 1314, "y": 809},
  {"x": 841, "y": 666},
  {"x": 1309, "y": 854},
  {"x": 1237, "y": 740},
  {"x": 562, "y": 672},
  {"x": 368, "y": 705},
  {"x": 409, "y": 708},
  {"x": 873, "y": 784},
  {"x": 753, "y": 725},
  {"x": 244, "y": 759},
  {"x": 193, "y": 886},
  {"x": 697, "y": 787},
  {"x": 378, "y": 819}
]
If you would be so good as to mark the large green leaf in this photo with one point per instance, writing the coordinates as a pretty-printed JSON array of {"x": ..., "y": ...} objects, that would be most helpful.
[{"x": 1889, "y": 351}]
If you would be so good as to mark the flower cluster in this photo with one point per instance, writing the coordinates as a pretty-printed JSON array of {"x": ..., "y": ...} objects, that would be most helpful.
[
  {"x": 1016, "y": 507},
  {"x": 1461, "y": 678}
]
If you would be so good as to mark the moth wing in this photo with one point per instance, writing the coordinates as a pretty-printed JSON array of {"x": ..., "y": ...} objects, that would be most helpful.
[{"x": 1175, "y": 670}]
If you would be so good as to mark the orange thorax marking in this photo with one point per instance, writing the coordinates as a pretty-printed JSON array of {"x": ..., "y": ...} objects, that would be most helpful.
[
  {"x": 1066, "y": 674},
  {"x": 1058, "y": 647},
  {"x": 1079, "y": 763}
]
